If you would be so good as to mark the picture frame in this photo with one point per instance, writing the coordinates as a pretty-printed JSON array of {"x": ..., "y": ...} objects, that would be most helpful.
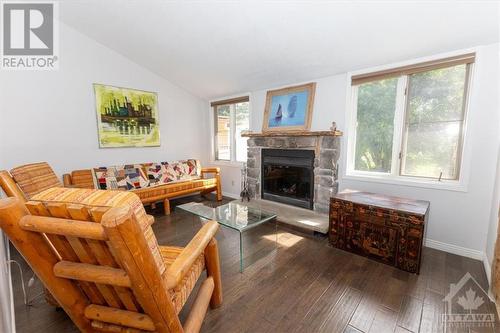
[
  {"x": 126, "y": 117},
  {"x": 289, "y": 109}
]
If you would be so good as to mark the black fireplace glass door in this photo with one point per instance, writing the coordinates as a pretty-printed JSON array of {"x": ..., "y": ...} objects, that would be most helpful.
[
  {"x": 287, "y": 181},
  {"x": 287, "y": 176}
]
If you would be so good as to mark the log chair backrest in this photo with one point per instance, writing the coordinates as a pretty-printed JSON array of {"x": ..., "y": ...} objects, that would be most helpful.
[
  {"x": 35, "y": 178},
  {"x": 25, "y": 181}
]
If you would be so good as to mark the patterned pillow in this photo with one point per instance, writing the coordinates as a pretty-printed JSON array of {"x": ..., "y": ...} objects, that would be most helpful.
[
  {"x": 123, "y": 177},
  {"x": 169, "y": 172}
]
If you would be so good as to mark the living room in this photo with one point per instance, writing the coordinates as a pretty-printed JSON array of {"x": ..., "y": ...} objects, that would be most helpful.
[{"x": 305, "y": 166}]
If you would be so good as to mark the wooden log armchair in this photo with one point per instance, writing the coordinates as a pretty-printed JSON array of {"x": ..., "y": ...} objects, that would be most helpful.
[{"x": 96, "y": 253}]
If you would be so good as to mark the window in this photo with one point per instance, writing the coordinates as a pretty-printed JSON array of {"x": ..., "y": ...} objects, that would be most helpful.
[
  {"x": 231, "y": 117},
  {"x": 409, "y": 122}
]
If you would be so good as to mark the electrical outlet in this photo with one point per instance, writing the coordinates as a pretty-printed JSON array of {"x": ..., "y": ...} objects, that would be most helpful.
[{"x": 232, "y": 182}]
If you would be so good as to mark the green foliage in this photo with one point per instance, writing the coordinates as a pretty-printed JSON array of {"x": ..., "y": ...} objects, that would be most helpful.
[
  {"x": 375, "y": 125},
  {"x": 435, "y": 116},
  {"x": 223, "y": 110},
  {"x": 436, "y": 95},
  {"x": 242, "y": 114}
]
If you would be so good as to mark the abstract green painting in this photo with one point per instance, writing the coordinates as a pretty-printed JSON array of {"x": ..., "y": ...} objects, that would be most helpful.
[{"x": 126, "y": 117}]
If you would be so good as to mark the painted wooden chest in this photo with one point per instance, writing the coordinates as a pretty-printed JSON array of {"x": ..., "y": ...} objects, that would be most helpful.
[{"x": 384, "y": 228}]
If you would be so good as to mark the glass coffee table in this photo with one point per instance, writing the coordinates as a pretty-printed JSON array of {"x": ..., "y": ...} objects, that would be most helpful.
[{"x": 232, "y": 215}]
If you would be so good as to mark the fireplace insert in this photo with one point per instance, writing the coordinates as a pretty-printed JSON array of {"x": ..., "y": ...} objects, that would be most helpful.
[{"x": 288, "y": 176}]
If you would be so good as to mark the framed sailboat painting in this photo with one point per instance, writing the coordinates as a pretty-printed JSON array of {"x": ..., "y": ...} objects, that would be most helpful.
[{"x": 289, "y": 109}]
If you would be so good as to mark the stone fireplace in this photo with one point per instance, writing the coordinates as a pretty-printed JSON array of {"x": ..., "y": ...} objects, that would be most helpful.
[{"x": 277, "y": 166}]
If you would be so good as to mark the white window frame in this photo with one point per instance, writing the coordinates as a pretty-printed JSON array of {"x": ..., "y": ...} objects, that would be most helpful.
[
  {"x": 394, "y": 176},
  {"x": 232, "y": 133}
]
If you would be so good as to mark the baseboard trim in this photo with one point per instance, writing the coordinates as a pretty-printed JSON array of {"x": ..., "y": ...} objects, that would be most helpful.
[
  {"x": 487, "y": 269},
  {"x": 231, "y": 195},
  {"x": 455, "y": 249}
]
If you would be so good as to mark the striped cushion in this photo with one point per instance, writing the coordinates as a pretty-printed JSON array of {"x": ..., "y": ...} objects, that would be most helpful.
[
  {"x": 35, "y": 178},
  {"x": 98, "y": 198}
]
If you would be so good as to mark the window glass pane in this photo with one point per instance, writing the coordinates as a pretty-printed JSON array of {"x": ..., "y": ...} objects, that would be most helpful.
[
  {"x": 375, "y": 125},
  {"x": 223, "y": 135},
  {"x": 436, "y": 95},
  {"x": 431, "y": 148},
  {"x": 435, "y": 113},
  {"x": 242, "y": 121}
]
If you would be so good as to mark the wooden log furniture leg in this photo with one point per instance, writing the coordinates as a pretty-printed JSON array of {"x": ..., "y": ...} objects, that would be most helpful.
[
  {"x": 166, "y": 206},
  {"x": 42, "y": 259},
  {"x": 219, "y": 186},
  {"x": 213, "y": 270}
]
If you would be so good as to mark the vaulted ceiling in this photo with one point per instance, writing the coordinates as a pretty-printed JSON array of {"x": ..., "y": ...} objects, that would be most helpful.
[{"x": 219, "y": 48}]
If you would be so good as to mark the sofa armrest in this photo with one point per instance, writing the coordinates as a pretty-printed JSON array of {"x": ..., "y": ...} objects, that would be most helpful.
[
  {"x": 189, "y": 254},
  {"x": 214, "y": 170},
  {"x": 67, "y": 181}
]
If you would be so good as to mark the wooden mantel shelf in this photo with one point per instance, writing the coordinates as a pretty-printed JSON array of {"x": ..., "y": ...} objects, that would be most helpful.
[{"x": 301, "y": 133}]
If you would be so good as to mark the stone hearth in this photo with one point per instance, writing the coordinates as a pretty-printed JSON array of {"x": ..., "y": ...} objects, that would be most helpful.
[{"x": 327, "y": 149}]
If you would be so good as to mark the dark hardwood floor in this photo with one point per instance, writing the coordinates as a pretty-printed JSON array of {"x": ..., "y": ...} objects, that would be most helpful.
[{"x": 304, "y": 285}]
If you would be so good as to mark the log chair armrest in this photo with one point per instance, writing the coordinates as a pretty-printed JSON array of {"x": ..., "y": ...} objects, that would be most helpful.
[
  {"x": 9, "y": 186},
  {"x": 196, "y": 247},
  {"x": 214, "y": 170}
]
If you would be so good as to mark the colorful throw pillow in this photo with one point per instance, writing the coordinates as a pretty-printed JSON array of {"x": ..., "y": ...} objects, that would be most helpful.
[
  {"x": 169, "y": 172},
  {"x": 123, "y": 177}
]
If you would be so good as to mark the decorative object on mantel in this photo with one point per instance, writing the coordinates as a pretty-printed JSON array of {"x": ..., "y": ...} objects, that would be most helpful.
[
  {"x": 126, "y": 117},
  {"x": 245, "y": 194},
  {"x": 250, "y": 134},
  {"x": 289, "y": 109},
  {"x": 333, "y": 128},
  {"x": 384, "y": 228}
]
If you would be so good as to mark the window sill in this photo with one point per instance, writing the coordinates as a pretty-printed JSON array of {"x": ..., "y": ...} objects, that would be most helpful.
[
  {"x": 457, "y": 186},
  {"x": 231, "y": 164}
]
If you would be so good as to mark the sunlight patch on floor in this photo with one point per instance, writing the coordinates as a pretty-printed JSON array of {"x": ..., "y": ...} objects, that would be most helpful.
[{"x": 285, "y": 239}]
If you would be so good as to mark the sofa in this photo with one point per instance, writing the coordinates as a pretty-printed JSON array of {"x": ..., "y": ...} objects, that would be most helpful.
[{"x": 151, "y": 182}]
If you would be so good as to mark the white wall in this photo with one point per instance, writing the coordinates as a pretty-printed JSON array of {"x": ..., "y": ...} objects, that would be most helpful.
[
  {"x": 50, "y": 115},
  {"x": 458, "y": 220},
  {"x": 493, "y": 224}
]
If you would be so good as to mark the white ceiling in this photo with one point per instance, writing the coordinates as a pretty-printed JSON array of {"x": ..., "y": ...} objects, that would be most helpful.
[{"x": 219, "y": 48}]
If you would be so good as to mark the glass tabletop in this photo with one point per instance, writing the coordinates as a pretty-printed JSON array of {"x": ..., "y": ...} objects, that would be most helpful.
[{"x": 233, "y": 215}]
